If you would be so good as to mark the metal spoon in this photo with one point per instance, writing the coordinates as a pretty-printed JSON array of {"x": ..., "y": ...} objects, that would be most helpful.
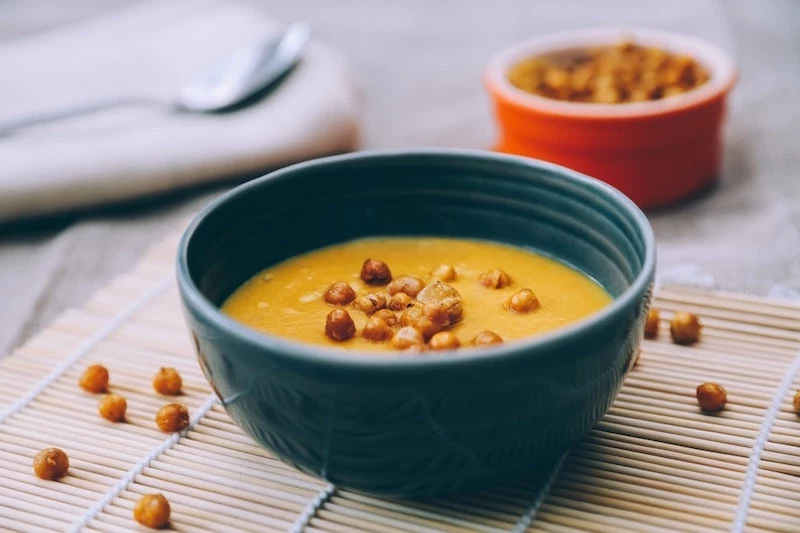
[{"x": 229, "y": 83}]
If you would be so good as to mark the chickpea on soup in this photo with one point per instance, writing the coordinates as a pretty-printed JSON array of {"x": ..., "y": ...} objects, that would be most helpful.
[{"x": 414, "y": 295}]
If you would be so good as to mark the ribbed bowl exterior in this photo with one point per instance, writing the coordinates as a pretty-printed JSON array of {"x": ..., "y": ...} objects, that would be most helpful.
[{"x": 418, "y": 425}]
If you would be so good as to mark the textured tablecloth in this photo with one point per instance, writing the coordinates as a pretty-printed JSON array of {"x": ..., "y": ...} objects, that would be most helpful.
[{"x": 419, "y": 63}]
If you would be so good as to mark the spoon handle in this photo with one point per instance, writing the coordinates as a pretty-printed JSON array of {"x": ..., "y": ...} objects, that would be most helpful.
[{"x": 10, "y": 126}]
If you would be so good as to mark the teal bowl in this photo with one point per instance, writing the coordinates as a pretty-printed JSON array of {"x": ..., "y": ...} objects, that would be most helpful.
[{"x": 399, "y": 425}]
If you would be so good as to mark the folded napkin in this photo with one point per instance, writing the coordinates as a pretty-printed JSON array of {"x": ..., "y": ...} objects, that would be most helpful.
[{"x": 151, "y": 50}]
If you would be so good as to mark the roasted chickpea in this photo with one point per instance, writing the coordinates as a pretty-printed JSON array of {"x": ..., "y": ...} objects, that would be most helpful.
[
  {"x": 444, "y": 340},
  {"x": 339, "y": 325},
  {"x": 399, "y": 301},
  {"x": 387, "y": 316},
  {"x": 370, "y": 303},
  {"x": 495, "y": 279},
  {"x": 445, "y": 313},
  {"x": 487, "y": 338},
  {"x": 167, "y": 381},
  {"x": 340, "y": 293},
  {"x": 407, "y": 284},
  {"x": 651, "y": 326},
  {"x": 374, "y": 272},
  {"x": 523, "y": 301},
  {"x": 685, "y": 328},
  {"x": 796, "y": 402},
  {"x": 410, "y": 315},
  {"x": 436, "y": 292},
  {"x": 50, "y": 463},
  {"x": 172, "y": 417},
  {"x": 112, "y": 407},
  {"x": 408, "y": 338},
  {"x": 94, "y": 379},
  {"x": 152, "y": 510},
  {"x": 415, "y": 317},
  {"x": 428, "y": 327},
  {"x": 443, "y": 273},
  {"x": 377, "y": 330},
  {"x": 711, "y": 397}
]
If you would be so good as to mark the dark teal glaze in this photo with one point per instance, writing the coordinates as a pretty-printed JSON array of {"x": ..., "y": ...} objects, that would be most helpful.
[{"x": 404, "y": 425}]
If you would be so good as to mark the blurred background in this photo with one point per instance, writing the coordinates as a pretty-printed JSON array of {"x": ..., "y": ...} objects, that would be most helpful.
[{"x": 415, "y": 68}]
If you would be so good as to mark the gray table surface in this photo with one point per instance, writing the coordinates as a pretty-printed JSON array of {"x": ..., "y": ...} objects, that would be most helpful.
[{"x": 419, "y": 63}]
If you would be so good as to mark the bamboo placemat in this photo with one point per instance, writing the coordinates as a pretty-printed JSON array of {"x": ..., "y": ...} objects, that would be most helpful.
[{"x": 654, "y": 463}]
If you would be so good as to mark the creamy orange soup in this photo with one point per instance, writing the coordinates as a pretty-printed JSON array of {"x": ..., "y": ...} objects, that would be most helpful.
[{"x": 288, "y": 299}]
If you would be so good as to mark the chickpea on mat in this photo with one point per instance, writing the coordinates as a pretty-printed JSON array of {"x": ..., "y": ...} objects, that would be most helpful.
[
  {"x": 711, "y": 397},
  {"x": 651, "y": 326},
  {"x": 94, "y": 379},
  {"x": 50, "y": 463},
  {"x": 685, "y": 328},
  {"x": 168, "y": 381},
  {"x": 152, "y": 510},
  {"x": 172, "y": 417},
  {"x": 113, "y": 407},
  {"x": 796, "y": 402}
]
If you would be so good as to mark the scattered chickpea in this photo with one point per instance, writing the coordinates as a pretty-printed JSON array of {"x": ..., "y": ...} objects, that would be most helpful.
[
  {"x": 408, "y": 284},
  {"x": 152, "y": 510},
  {"x": 399, "y": 301},
  {"x": 94, "y": 379},
  {"x": 387, "y": 316},
  {"x": 444, "y": 340},
  {"x": 374, "y": 272},
  {"x": 651, "y": 326},
  {"x": 446, "y": 313},
  {"x": 407, "y": 338},
  {"x": 167, "y": 381},
  {"x": 796, "y": 402},
  {"x": 377, "y": 330},
  {"x": 172, "y": 417},
  {"x": 523, "y": 301},
  {"x": 685, "y": 328},
  {"x": 443, "y": 273},
  {"x": 370, "y": 303},
  {"x": 339, "y": 326},
  {"x": 711, "y": 397},
  {"x": 495, "y": 279},
  {"x": 340, "y": 293},
  {"x": 112, "y": 407},
  {"x": 50, "y": 463},
  {"x": 487, "y": 338}
]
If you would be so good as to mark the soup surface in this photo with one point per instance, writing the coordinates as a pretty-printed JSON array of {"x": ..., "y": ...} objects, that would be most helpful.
[{"x": 288, "y": 299}]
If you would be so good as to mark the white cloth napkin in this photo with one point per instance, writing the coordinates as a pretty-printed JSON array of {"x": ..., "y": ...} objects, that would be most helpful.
[{"x": 150, "y": 50}]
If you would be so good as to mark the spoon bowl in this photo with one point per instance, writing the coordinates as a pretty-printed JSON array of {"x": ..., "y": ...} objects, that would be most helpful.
[{"x": 246, "y": 72}]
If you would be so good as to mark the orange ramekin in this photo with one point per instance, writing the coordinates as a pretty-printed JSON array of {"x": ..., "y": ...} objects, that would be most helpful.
[{"x": 655, "y": 152}]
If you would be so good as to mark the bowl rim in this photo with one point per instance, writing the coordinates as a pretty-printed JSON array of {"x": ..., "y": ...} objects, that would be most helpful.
[
  {"x": 316, "y": 354},
  {"x": 723, "y": 73}
]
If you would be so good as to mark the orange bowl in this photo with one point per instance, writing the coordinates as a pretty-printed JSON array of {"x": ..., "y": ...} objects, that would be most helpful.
[{"x": 656, "y": 152}]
